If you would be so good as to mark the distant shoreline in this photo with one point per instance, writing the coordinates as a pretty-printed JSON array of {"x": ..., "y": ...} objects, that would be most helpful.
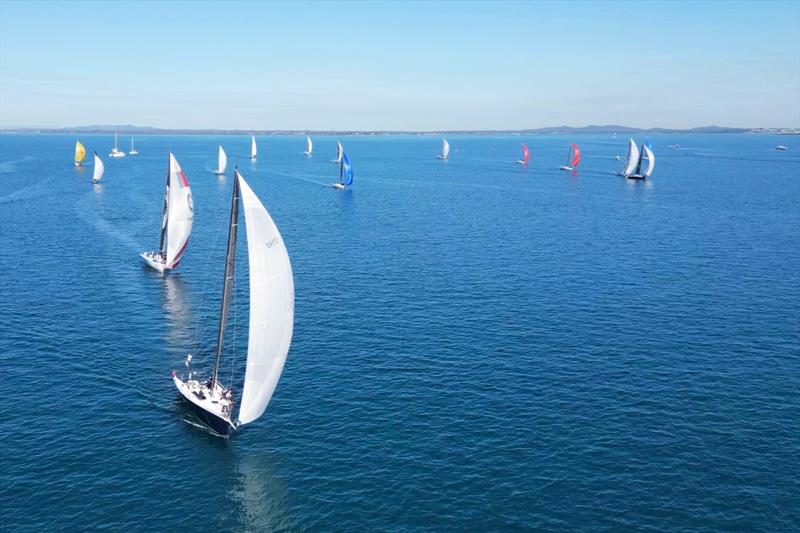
[{"x": 129, "y": 129}]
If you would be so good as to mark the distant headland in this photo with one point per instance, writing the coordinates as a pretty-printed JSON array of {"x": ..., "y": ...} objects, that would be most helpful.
[{"x": 609, "y": 129}]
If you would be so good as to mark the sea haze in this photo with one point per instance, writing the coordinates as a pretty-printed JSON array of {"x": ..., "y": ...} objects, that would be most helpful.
[{"x": 478, "y": 345}]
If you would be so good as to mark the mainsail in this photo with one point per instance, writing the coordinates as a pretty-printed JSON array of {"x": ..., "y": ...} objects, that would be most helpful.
[
  {"x": 271, "y": 306},
  {"x": 309, "y": 145},
  {"x": 253, "y": 149},
  {"x": 99, "y": 168},
  {"x": 223, "y": 161},
  {"x": 180, "y": 213},
  {"x": 80, "y": 153},
  {"x": 445, "y": 149},
  {"x": 632, "y": 159}
]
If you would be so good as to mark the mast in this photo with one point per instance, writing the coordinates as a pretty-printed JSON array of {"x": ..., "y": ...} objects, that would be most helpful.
[
  {"x": 341, "y": 169},
  {"x": 164, "y": 215},
  {"x": 230, "y": 257}
]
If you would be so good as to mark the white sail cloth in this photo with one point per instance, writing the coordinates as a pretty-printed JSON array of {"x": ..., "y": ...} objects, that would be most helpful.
[
  {"x": 223, "y": 161},
  {"x": 99, "y": 168},
  {"x": 271, "y": 306},
  {"x": 180, "y": 213}
]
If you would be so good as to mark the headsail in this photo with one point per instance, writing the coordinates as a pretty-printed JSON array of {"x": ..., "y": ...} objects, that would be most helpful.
[
  {"x": 651, "y": 161},
  {"x": 339, "y": 152},
  {"x": 632, "y": 159},
  {"x": 223, "y": 161},
  {"x": 253, "y": 149},
  {"x": 271, "y": 306},
  {"x": 526, "y": 154},
  {"x": 180, "y": 213},
  {"x": 576, "y": 156},
  {"x": 80, "y": 153},
  {"x": 346, "y": 174},
  {"x": 99, "y": 168}
]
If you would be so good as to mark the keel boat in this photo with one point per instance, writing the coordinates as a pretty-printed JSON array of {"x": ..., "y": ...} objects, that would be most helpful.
[
  {"x": 526, "y": 155},
  {"x": 345, "y": 173},
  {"x": 222, "y": 162},
  {"x": 573, "y": 158},
  {"x": 309, "y": 146},
  {"x": 99, "y": 169},
  {"x": 80, "y": 153},
  {"x": 116, "y": 152},
  {"x": 445, "y": 150}
]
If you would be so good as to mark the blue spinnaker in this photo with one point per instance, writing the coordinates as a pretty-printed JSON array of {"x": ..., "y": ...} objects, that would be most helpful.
[{"x": 347, "y": 170}]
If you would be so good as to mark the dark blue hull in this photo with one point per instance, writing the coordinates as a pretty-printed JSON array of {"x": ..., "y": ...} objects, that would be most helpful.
[{"x": 217, "y": 424}]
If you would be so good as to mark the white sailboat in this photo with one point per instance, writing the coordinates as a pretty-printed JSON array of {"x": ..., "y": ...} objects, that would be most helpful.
[
  {"x": 116, "y": 152},
  {"x": 222, "y": 162},
  {"x": 253, "y": 149},
  {"x": 445, "y": 150},
  {"x": 309, "y": 146},
  {"x": 99, "y": 169},
  {"x": 271, "y": 304},
  {"x": 176, "y": 221},
  {"x": 133, "y": 150},
  {"x": 631, "y": 159},
  {"x": 339, "y": 152},
  {"x": 645, "y": 155}
]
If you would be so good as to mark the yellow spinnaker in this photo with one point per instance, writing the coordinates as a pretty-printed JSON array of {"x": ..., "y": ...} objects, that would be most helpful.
[{"x": 80, "y": 152}]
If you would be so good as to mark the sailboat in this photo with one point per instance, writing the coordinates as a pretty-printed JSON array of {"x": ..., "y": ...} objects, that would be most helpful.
[
  {"x": 526, "y": 155},
  {"x": 339, "y": 152},
  {"x": 116, "y": 152},
  {"x": 176, "y": 221},
  {"x": 445, "y": 150},
  {"x": 99, "y": 169},
  {"x": 345, "y": 173},
  {"x": 133, "y": 151},
  {"x": 253, "y": 149},
  {"x": 222, "y": 163},
  {"x": 80, "y": 153},
  {"x": 271, "y": 304},
  {"x": 631, "y": 159},
  {"x": 309, "y": 146},
  {"x": 573, "y": 158},
  {"x": 645, "y": 155}
]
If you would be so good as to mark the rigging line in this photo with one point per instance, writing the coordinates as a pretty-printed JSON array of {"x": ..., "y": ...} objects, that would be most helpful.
[{"x": 235, "y": 314}]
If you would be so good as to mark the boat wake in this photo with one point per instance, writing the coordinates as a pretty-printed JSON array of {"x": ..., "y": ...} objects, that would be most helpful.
[
  {"x": 11, "y": 166},
  {"x": 90, "y": 216}
]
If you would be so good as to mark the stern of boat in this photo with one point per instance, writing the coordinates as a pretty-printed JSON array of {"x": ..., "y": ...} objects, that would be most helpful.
[{"x": 153, "y": 261}]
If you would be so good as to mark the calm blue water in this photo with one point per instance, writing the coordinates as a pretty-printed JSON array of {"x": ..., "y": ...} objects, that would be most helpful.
[{"x": 478, "y": 345}]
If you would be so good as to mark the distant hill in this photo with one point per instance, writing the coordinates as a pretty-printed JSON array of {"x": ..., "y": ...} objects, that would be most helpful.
[{"x": 130, "y": 129}]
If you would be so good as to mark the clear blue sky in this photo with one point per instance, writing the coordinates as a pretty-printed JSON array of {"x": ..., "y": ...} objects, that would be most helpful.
[{"x": 404, "y": 66}]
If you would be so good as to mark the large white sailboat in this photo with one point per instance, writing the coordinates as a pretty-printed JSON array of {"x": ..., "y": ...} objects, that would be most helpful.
[
  {"x": 631, "y": 159},
  {"x": 271, "y": 305},
  {"x": 116, "y": 152},
  {"x": 339, "y": 152},
  {"x": 99, "y": 169},
  {"x": 176, "y": 221},
  {"x": 309, "y": 146},
  {"x": 445, "y": 150},
  {"x": 640, "y": 173},
  {"x": 253, "y": 148},
  {"x": 222, "y": 162}
]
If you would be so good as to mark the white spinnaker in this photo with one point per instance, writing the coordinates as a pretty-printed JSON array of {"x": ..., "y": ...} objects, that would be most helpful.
[
  {"x": 309, "y": 145},
  {"x": 181, "y": 213},
  {"x": 651, "y": 162},
  {"x": 253, "y": 149},
  {"x": 633, "y": 158},
  {"x": 271, "y": 306},
  {"x": 339, "y": 152},
  {"x": 99, "y": 168},
  {"x": 445, "y": 148},
  {"x": 223, "y": 161}
]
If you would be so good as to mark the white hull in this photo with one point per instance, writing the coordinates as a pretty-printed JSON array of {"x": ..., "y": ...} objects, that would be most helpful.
[
  {"x": 77, "y": 164},
  {"x": 338, "y": 185},
  {"x": 307, "y": 154},
  {"x": 567, "y": 168},
  {"x": 116, "y": 153},
  {"x": 154, "y": 261},
  {"x": 442, "y": 158},
  {"x": 521, "y": 162},
  {"x": 133, "y": 152},
  {"x": 218, "y": 173}
]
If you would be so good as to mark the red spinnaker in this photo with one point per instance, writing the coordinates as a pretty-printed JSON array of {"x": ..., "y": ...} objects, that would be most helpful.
[
  {"x": 526, "y": 155},
  {"x": 576, "y": 155}
]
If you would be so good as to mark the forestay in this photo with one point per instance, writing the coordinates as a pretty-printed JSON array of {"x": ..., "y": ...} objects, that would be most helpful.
[{"x": 271, "y": 306}]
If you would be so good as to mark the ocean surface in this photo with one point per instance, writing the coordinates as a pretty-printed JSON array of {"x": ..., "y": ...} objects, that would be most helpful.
[{"x": 478, "y": 345}]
